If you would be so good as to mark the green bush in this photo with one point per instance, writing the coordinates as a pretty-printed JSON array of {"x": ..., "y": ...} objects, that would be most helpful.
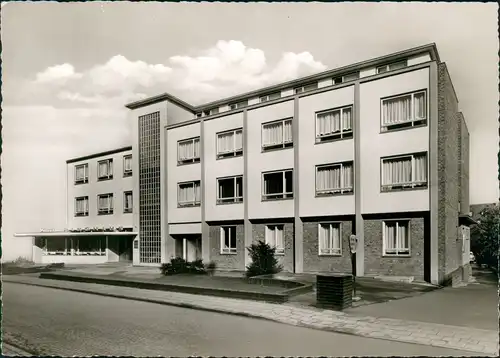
[
  {"x": 263, "y": 258},
  {"x": 485, "y": 237},
  {"x": 211, "y": 267},
  {"x": 178, "y": 265}
]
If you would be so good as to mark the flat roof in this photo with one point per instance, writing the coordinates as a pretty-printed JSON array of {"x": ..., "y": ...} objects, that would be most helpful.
[
  {"x": 72, "y": 233},
  {"x": 100, "y": 154},
  {"x": 431, "y": 48}
]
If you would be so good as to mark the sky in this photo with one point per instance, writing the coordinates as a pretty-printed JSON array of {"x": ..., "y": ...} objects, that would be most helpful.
[{"x": 68, "y": 69}]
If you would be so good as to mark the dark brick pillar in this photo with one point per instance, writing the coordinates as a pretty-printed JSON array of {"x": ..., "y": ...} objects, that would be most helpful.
[{"x": 334, "y": 291}]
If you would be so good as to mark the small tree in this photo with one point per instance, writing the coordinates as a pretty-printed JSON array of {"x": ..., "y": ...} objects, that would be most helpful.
[
  {"x": 263, "y": 260},
  {"x": 485, "y": 237}
]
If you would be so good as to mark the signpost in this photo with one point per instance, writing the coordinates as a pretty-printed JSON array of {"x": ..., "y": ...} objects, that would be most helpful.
[{"x": 353, "y": 243}]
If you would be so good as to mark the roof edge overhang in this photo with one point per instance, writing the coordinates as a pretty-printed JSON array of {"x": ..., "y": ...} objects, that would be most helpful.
[
  {"x": 99, "y": 154},
  {"x": 431, "y": 48}
]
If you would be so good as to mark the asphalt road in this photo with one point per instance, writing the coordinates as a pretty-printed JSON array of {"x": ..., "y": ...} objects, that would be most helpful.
[{"x": 69, "y": 323}]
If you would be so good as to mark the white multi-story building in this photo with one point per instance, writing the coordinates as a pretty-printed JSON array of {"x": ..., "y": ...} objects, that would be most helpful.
[{"x": 377, "y": 149}]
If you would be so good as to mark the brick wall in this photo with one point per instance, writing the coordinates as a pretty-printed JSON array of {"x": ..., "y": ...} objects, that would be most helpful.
[
  {"x": 313, "y": 262},
  {"x": 227, "y": 261},
  {"x": 259, "y": 233},
  {"x": 377, "y": 264},
  {"x": 464, "y": 166},
  {"x": 449, "y": 154}
]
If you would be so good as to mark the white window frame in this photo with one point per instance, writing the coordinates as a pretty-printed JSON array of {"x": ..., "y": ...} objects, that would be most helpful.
[
  {"x": 270, "y": 97},
  {"x": 277, "y": 196},
  {"x": 330, "y": 251},
  {"x": 235, "y": 153},
  {"x": 235, "y": 198},
  {"x": 85, "y": 178},
  {"x": 228, "y": 250},
  {"x": 306, "y": 88},
  {"x": 345, "y": 78},
  {"x": 188, "y": 203},
  {"x": 404, "y": 252},
  {"x": 284, "y": 144},
  {"x": 109, "y": 163},
  {"x": 86, "y": 205},
  {"x": 390, "y": 66},
  {"x": 238, "y": 105},
  {"x": 343, "y": 133},
  {"x": 413, "y": 121},
  {"x": 343, "y": 189},
  {"x": 279, "y": 250},
  {"x": 105, "y": 211},
  {"x": 402, "y": 186},
  {"x": 188, "y": 160},
  {"x": 125, "y": 209},
  {"x": 211, "y": 111},
  {"x": 127, "y": 173}
]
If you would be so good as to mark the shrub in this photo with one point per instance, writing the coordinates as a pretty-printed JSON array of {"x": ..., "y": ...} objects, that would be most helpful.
[
  {"x": 485, "y": 237},
  {"x": 178, "y": 265},
  {"x": 263, "y": 258},
  {"x": 211, "y": 267}
]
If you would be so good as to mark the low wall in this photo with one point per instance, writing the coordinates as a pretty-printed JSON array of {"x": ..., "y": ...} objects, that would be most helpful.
[{"x": 77, "y": 260}]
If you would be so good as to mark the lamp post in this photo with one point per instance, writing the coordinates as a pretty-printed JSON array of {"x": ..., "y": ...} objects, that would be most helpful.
[{"x": 353, "y": 243}]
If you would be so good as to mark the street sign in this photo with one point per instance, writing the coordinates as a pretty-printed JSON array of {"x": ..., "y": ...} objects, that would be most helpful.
[{"x": 353, "y": 243}]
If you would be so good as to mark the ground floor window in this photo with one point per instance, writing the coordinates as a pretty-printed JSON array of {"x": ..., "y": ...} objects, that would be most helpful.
[
  {"x": 275, "y": 237},
  {"x": 74, "y": 246},
  {"x": 396, "y": 235},
  {"x": 330, "y": 242},
  {"x": 228, "y": 239}
]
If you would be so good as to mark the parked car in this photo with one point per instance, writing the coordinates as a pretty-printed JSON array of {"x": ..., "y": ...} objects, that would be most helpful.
[{"x": 472, "y": 258}]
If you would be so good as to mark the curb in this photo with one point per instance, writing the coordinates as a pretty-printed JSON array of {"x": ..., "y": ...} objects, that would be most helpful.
[
  {"x": 348, "y": 331},
  {"x": 21, "y": 351}
]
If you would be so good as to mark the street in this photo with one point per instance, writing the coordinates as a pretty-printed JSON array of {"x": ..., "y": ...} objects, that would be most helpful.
[{"x": 68, "y": 323}]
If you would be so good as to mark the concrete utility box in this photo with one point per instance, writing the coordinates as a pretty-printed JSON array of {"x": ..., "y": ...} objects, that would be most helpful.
[{"x": 334, "y": 291}]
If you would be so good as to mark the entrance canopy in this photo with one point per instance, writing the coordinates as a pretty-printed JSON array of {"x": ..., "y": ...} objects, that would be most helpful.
[{"x": 74, "y": 234}]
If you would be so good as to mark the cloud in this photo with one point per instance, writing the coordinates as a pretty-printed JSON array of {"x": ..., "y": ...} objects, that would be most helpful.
[
  {"x": 227, "y": 68},
  {"x": 58, "y": 73}
]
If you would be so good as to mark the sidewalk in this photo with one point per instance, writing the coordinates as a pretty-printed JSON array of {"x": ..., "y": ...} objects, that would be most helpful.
[{"x": 447, "y": 336}]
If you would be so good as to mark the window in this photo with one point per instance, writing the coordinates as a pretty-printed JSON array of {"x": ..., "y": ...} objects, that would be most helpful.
[
  {"x": 230, "y": 190},
  {"x": 334, "y": 124},
  {"x": 306, "y": 88},
  {"x": 228, "y": 240},
  {"x": 127, "y": 202},
  {"x": 396, "y": 237},
  {"x": 238, "y": 105},
  {"x": 404, "y": 172},
  {"x": 404, "y": 111},
  {"x": 105, "y": 204},
  {"x": 127, "y": 165},
  {"x": 81, "y": 174},
  {"x": 346, "y": 78},
  {"x": 330, "y": 239},
  {"x": 392, "y": 66},
  {"x": 188, "y": 151},
  {"x": 105, "y": 169},
  {"x": 270, "y": 97},
  {"x": 212, "y": 111},
  {"x": 277, "y": 134},
  {"x": 198, "y": 115},
  {"x": 82, "y": 206},
  {"x": 274, "y": 237},
  {"x": 277, "y": 185},
  {"x": 189, "y": 194},
  {"x": 230, "y": 144},
  {"x": 334, "y": 179}
]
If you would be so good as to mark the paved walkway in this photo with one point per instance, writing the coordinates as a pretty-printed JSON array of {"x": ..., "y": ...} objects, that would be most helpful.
[{"x": 438, "y": 335}]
